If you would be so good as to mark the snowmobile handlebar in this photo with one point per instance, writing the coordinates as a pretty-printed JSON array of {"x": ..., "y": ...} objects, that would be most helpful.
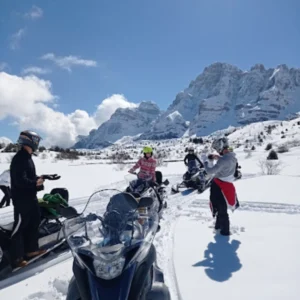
[{"x": 133, "y": 173}]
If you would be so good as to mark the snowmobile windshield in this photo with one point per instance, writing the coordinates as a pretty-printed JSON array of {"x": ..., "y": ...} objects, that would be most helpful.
[
  {"x": 112, "y": 224},
  {"x": 192, "y": 167}
]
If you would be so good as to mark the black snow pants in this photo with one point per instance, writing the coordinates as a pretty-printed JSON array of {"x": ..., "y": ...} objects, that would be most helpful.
[
  {"x": 6, "y": 197},
  {"x": 25, "y": 234},
  {"x": 219, "y": 208}
]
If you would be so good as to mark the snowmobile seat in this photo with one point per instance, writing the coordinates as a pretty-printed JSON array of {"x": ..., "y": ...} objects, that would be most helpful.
[
  {"x": 7, "y": 227},
  {"x": 136, "y": 195},
  {"x": 159, "y": 177}
]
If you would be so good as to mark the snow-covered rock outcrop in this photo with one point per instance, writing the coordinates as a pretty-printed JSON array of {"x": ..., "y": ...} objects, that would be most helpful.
[{"x": 124, "y": 122}]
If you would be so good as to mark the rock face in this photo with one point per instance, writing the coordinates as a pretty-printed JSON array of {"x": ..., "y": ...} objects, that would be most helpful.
[
  {"x": 222, "y": 96},
  {"x": 124, "y": 122}
]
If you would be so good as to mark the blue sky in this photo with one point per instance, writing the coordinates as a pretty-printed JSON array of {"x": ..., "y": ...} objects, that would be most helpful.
[{"x": 145, "y": 50}]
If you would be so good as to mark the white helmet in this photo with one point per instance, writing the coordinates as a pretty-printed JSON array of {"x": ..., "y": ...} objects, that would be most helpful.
[{"x": 220, "y": 144}]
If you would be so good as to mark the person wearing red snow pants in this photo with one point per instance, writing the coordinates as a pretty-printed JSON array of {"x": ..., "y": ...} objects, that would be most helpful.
[{"x": 222, "y": 190}]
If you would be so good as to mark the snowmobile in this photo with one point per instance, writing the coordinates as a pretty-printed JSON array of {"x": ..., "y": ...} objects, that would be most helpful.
[
  {"x": 50, "y": 230},
  {"x": 112, "y": 245},
  {"x": 140, "y": 188},
  {"x": 195, "y": 178},
  {"x": 238, "y": 173}
]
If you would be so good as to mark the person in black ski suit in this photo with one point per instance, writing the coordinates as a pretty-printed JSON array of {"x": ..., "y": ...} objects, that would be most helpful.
[
  {"x": 24, "y": 187},
  {"x": 222, "y": 190},
  {"x": 192, "y": 156}
]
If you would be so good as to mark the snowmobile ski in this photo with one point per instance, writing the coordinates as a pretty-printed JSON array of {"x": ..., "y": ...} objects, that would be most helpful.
[{"x": 48, "y": 250}]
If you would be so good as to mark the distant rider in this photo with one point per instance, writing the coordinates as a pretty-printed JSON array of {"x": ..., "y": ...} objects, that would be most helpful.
[
  {"x": 192, "y": 156},
  {"x": 24, "y": 187},
  {"x": 222, "y": 190}
]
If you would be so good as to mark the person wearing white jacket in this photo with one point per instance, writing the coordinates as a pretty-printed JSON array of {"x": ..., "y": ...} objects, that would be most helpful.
[
  {"x": 5, "y": 188},
  {"x": 222, "y": 191}
]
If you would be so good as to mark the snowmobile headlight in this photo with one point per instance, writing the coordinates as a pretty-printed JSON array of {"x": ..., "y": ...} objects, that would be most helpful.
[{"x": 109, "y": 269}]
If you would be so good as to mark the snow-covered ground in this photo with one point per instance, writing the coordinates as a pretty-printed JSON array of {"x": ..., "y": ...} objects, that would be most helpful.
[{"x": 258, "y": 261}]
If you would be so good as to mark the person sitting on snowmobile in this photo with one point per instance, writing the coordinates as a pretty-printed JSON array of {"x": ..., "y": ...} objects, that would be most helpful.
[
  {"x": 5, "y": 188},
  {"x": 24, "y": 187},
  {"x": 192, "y": 156},
  {"x": 147, "y": 165},
  {"x": 222, "y": 190}
]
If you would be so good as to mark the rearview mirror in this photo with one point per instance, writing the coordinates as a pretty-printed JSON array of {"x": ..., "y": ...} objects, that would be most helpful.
[
  {"x": 145, "y": 202},
  {"x": 166, "y": 182},
  {"x": 68, "y": 212}
]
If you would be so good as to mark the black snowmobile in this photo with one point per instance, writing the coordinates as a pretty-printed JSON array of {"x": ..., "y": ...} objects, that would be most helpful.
[
  {"x": 53, "y": 209},
  {"x": 112, "y": 245},
  {"x": 238, "y": 173},
  {"x": 142, "y": 188},
  {"x": 195, "y": 178}
]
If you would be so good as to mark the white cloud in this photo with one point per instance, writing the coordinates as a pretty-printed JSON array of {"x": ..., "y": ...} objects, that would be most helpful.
[
  {"x": 82, "y": 121},
  {"x": 109, "y": 106},
  {"x": 67, "y": 62},
  {"x": 16, "y": 38},
  {"x": 35, "y": 70},
  {"x": 35, "y": 13},
  {"x": 28, "y": 101},
  {"x": 19, "y": 95}
]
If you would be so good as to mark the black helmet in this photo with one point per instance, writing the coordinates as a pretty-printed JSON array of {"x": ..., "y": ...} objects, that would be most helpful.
[{"x": 30, "y": 139}]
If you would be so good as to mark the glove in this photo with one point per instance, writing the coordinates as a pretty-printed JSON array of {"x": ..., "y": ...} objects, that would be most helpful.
[
  {"x": 40, "y": 188},
  {"x": 51, "y": 177}
]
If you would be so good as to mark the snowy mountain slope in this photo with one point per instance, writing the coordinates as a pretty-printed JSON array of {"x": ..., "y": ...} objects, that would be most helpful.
[
  {"x": 124, "y": 122},
  {"x": 221, "y": 96},
  {"x": 167, "y": 127},
  {"x": 224, "y": 95}
]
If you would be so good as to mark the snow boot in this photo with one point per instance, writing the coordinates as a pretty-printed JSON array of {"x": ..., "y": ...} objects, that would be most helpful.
[
  {"x": 20, "y": 263},
  {"x": 35, "y": 253}
]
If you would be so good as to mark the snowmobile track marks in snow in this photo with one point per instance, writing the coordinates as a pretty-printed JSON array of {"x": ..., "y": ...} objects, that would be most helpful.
[{"x": 268, "y": 207}]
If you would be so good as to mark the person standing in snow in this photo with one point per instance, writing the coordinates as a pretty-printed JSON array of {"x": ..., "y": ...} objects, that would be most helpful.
[
  {"x": 222, "y": 191},
  {"x": 24, "y": 187},
  {"x": 192, "y": 156},
  {"x": 146, "y": 164},
  {"x": 5, "y": 188}
]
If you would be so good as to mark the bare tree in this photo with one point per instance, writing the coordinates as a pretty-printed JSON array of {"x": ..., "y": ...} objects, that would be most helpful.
[{"x": 270, "y": 167}]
